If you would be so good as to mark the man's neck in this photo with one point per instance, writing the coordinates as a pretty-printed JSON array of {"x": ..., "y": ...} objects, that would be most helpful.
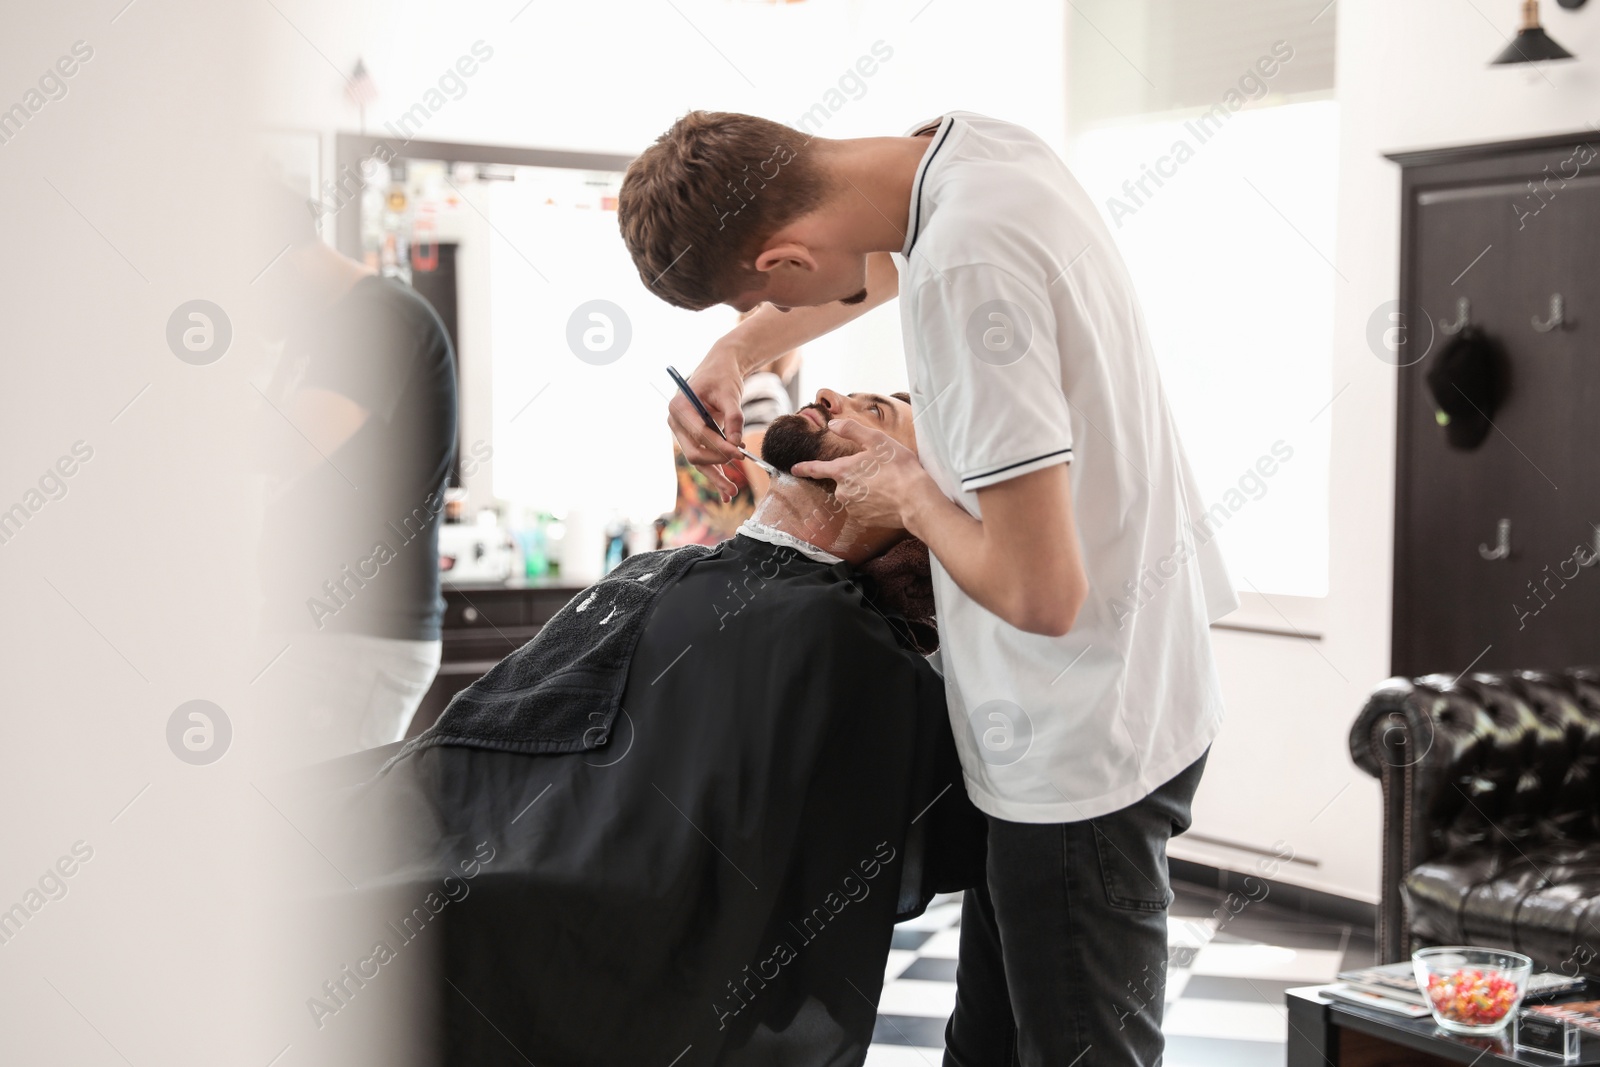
[
  {"x": 327, "y": 275},
  {"x": 874, "y": 178},
  {"x": 804, "y": 510}
]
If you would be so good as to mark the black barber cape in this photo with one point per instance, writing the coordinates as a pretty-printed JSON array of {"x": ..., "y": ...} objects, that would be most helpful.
[{"x": 699, "y": 835}]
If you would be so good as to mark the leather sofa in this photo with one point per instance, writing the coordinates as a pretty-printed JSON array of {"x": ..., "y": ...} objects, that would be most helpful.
[{"x": 1491, "y": 812}]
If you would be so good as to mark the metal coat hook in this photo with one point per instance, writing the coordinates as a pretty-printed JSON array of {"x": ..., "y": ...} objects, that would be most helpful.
[
  {"x": 1594, "y": 556},
  {"x": 1463, "y": 317},
  {"x": 1502, "y": 546},
  {"x": 1558, "y": 315}
]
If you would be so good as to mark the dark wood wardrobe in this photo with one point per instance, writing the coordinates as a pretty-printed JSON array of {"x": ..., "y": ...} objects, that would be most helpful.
[{"x": 1494, "y": 547}]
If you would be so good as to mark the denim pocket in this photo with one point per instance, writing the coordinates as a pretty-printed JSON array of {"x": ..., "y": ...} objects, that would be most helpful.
[{"x": 1133, "y": 861}]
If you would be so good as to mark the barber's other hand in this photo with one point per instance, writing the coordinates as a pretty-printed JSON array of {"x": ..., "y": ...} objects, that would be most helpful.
[
  {"x": 719, "y": 384},
  {"x": 882, "y": 484}
]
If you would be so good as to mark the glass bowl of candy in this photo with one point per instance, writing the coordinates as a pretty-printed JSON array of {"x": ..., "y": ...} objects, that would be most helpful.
[{"x": 1472, "y": 990}]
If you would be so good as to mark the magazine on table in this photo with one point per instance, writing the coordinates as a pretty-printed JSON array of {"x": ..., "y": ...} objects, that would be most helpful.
[
  {"x": 1350, "y": 994},
  {"x": 1393, "y": 980}
]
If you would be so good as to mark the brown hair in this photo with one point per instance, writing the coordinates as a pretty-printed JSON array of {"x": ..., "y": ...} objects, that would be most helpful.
[{"x": 697, "y": 205}]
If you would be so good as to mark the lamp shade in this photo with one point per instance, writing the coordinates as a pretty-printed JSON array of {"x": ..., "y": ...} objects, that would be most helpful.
[{"x": 1531, "y": 44}]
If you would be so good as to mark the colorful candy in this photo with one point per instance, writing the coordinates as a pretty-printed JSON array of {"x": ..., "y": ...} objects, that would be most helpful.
[{"x": 1472, "y": 996}]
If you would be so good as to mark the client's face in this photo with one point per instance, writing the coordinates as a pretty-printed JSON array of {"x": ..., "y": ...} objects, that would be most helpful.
[{"x": 805, "y": 436}]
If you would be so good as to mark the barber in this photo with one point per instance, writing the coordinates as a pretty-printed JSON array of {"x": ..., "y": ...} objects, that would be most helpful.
[{"x": 1072, "y": 593}]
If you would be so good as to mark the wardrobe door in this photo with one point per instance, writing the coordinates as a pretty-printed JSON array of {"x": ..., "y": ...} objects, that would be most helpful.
[
  {"x": 1476, "y": 228},
  {"x": 1557, "y": 613},
  {"x": 1451, "y": 502}
]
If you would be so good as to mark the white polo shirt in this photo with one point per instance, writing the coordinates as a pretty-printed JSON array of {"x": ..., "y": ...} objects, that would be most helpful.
[{"x": 1025, "y": 347}]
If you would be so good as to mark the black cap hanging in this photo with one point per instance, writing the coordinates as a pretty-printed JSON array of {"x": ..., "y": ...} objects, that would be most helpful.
[{"x": 1468, "y": 383}]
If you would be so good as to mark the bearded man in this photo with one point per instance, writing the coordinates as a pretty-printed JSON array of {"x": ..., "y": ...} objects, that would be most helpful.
[{"x": 679, "y": 825}]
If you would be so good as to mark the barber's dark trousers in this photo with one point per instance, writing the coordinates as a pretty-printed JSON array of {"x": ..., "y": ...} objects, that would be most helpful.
[{"x": 1064, "y": 950}]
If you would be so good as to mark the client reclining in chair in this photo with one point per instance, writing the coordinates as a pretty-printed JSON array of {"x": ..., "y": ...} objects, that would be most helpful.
[{"x": 694, "y": 806}]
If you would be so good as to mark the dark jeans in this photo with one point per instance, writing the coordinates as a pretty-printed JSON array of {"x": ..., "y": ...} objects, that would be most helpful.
[{"x": 1064, "y": 950}]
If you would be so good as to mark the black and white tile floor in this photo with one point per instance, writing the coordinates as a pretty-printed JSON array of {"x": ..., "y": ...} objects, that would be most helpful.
[{"x": 1225, "y": 981}]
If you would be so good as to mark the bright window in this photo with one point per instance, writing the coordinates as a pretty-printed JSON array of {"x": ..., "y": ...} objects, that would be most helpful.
[{"x": 1211, "y": 145}]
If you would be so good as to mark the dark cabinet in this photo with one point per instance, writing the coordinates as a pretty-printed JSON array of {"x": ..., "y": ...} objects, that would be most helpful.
[
  {"x": 1505, "y": 228},
  {"x": 484, "y": 623}
]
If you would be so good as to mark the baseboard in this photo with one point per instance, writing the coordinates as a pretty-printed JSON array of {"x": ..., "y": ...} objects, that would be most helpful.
[{"x": 1310, "y": 902}]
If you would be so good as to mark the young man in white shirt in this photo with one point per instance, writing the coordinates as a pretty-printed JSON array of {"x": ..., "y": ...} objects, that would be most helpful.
[{"x": 1074, "y": 578}]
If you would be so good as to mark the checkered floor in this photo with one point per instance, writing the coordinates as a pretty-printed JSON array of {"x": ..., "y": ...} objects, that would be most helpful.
[{"x": 1225, "y": 981}]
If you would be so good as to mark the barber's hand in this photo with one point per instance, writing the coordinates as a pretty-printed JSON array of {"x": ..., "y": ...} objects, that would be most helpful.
[
  {"x": 719, "y": 384},
  {"x": 882, "y": 484}
]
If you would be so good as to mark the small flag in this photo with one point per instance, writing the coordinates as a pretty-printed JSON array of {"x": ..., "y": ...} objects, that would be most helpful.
[{"x": 360, "y": 88}]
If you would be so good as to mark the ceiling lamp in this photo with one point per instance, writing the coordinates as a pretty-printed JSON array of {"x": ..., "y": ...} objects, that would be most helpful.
[{"x": 1532, "y": 44}]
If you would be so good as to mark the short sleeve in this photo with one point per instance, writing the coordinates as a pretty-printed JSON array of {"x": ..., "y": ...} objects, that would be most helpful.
[
  {"x": 764, "y": 400},
  {"x": 991, "y": 374},
  {"x": 373, "y": 345}
]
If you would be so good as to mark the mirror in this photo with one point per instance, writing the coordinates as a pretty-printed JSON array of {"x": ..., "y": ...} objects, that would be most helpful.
[{"x": 518, "y": 250}]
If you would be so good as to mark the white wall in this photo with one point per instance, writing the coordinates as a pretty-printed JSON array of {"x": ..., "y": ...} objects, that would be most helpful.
[
  {"x": 131, "y": 591},
  {"x": 610, "y": 76},
  {"x": 1410, "y": 75}
]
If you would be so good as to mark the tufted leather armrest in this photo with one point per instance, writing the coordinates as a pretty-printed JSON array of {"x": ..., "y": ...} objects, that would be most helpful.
[{"x": 1503, "y": 761}]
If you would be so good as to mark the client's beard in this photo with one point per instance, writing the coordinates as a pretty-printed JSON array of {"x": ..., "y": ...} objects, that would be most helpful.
[{"x": 792, "y": 439}]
